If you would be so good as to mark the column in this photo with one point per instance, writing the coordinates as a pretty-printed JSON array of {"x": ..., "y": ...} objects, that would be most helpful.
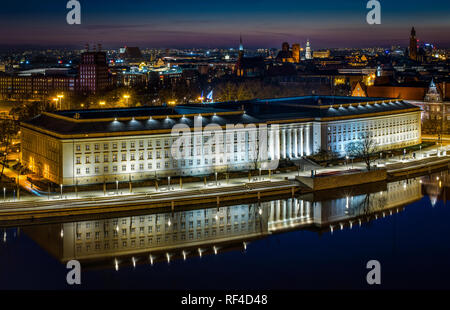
[
  {"x": 283, "y": 143},
  {"x": 277, "y": 143},
  {"x": 295, "y": 149},
  {"x": 289, "y": 143},
  {"x": 307, "y": 141},
  {"x": 271, "y": 145},
  {"x": 272, "y": 211},
  {"x": 301, "y": 142}
]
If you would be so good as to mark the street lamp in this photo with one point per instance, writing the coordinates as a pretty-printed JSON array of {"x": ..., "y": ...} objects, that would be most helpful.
[
  {"x": 168, "y": 183},
  {"x": 4, "y": 194},
  {"x": 215, "y": 174},
  {"x": 117, "y": 187},
  {"x": 61, "y": 186},
  {"x": 102, "y": 102},
  {"x": 126, "y": 97},
  {"x": 60, "y": 96},
  {"x": 346, "y": 161}
]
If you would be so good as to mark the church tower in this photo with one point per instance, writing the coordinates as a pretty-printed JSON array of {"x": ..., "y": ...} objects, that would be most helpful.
[
  {"x": 241, "y": 47},
  {"x": 308, "y": 54},
  {"x": 413, "y": 45}
]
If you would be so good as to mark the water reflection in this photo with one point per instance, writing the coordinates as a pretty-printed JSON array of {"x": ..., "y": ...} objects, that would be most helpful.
[{"x": 167, "y": 236}]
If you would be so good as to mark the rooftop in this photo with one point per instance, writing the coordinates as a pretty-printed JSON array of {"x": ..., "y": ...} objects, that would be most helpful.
[{"x": 158, "y": 119}]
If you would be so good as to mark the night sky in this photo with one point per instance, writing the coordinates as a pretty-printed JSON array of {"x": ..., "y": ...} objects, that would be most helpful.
[{"x": 202, "y": 23}]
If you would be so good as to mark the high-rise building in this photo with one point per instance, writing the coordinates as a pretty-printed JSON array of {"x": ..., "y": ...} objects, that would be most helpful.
[
  {"x": 93, "y": 72},
  {"x": 296, "y": 52},
  {"x": 413, "y": 45},
  {"x": 308, "y": 54}
]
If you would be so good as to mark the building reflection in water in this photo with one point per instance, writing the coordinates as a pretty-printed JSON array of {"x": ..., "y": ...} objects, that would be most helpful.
[{"x": 168, "y": 236}]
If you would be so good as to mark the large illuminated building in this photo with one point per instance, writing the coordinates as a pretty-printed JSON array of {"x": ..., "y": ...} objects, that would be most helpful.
[{"x": 96, "y": 146}]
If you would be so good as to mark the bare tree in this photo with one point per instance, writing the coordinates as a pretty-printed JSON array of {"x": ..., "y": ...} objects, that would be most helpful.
[
  {"x": 364, "y": 148},
  {"x": 7, "y": 131}
]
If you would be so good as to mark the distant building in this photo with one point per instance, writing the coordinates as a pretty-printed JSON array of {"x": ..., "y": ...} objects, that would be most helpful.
[
  {"x": 308, "y": 54},
  {"x": 93, "y": 72},
  {"x": 93, "y": 76},
  {"x": 288, "y": 55},
  {"x": 413, "y": 45},
  {"x": 321, "y": 54},
  {"x": 296, "y": 52},
  {"x": 248, "y": 66}
]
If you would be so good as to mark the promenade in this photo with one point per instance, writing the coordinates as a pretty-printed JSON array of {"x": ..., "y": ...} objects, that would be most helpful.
[{"x": 195, "y": 192}]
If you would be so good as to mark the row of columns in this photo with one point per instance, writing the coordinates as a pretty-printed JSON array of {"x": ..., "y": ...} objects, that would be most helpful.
[
  {"x": 289, "y": 209},
  {"x": 289, "y": 143}
]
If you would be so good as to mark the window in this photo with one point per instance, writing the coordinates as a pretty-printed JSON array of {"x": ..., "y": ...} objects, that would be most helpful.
[
  {"x": 78, "y": 147},
  {"x": 132, "y": 156},
  {"x": 115, "y": 169},
  {"x": 96, "y": 169},
  {"x": 96, "y": 146},
  {"x": 124, "y": 168},
  {"x": 78, "y": 160},
  {"x": 141, "y": 143},
  {"x": 132, "y": 145},
  {"x": 124, "y": 145},
  {"x": 124, "y": 157},
  {"x": 87, "y": 160},
  {"x": 114, "y": 145},
  {"x": 87, "y": 170},
  {"x": 105, "y": 158},
  {"x": 105, "y": 169},
  {"x": 132, "y": 167},
  {"x": 78, "y": 171},
  {"x": 87, "y": 147},
  {"x": 105, "y": 146},
  {"x": 96, "y": 159}
]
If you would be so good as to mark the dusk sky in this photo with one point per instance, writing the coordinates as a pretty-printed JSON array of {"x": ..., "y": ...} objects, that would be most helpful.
[{"x": 202, "y": 23}]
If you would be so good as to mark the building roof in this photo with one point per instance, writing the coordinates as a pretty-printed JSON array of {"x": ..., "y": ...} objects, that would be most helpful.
[{"x": 128, "y": 121}]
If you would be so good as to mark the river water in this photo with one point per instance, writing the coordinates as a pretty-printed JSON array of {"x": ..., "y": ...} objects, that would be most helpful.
[{"x": 314, "y": 241}]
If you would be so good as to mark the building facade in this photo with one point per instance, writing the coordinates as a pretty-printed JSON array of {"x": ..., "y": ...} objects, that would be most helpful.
[{"x": 97, "y": 146}]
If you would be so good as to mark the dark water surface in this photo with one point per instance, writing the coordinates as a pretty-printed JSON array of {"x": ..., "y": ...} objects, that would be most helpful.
[{"x": 303, "y": 243}]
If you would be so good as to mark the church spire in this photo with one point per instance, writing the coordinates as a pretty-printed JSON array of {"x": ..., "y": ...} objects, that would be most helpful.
[{"x": 241, "y": 45}]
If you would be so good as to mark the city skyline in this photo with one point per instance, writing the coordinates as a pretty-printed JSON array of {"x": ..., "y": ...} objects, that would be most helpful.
[{"x": 196, "y": 24}]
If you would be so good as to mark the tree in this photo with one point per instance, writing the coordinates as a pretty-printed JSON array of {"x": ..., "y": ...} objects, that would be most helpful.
[
  {"x": 7, "y": 131},
  {"x": 364, "y": 148}
]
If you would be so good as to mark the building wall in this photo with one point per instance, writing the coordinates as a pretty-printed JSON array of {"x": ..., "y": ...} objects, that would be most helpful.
[
  {"x": 42, "y": 154},
  {"x": 388, "y": 132},
  {"x": 143, "y": 157}
]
